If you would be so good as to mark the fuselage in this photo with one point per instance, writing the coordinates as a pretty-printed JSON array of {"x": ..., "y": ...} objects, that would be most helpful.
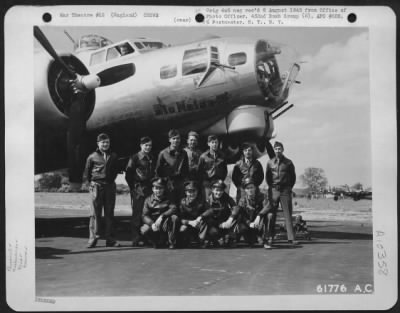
[{"x": 198, "y": 86}]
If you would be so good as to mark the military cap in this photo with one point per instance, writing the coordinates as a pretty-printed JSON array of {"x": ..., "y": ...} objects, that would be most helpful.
[
  {"x": 212, "y": 137},
  {"x": 218, "y": 184},
  {"x": 173, "y": 133},
  {"x": 159, "y": 182},
  {"x": 190, "y": 185},
  {"x": 194, "y": 134},
  {"x": 278, "y": 144},
  {"x": 145, "y": 139},
  {"x": 247, "y": 181},
  {"x": 102, "y": 136}
]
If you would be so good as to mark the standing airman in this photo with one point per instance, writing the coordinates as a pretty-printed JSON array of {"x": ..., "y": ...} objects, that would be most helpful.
[
  {"x": 212, "y": 165},
  {"x": 173, "y": 164},
  {"x": 193, "y": 155},
  {"x": 138, "y": 175},
  {"x": 101, "y": 172},
  {"x": 247, "y": 167},
  {"x": 281, "y": 176}
]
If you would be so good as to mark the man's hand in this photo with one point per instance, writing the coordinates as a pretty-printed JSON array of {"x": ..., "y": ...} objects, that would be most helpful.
[
  {"x": 154, "y": 227},
  {"x": 257, "y": 222},
  {"x": 158, "y": 221},
  {"x": 193, "y": 223},
  {"x": 227, "y": 224}
]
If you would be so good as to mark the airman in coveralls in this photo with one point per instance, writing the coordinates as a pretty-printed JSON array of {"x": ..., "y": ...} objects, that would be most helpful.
[
  {"x": 281, "y": 177},
  {"x": 139, "y": 172},
  {"x": 255, "y": 217},
  {"x": 101, "y": 171},
  {"x": 218, "y": 218},
  {"x": 193, "y": 155},
  {"x": 160, "y": 220},
  {"x": 190, "y": 208},
  {"x": 246, "y": 167}
]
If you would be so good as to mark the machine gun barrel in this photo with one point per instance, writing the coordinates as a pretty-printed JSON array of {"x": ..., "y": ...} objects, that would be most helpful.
[{"x": 280, "y": 113}]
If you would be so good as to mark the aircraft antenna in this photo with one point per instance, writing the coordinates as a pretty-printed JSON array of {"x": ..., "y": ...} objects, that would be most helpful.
[{"x": 70, "y": 38}]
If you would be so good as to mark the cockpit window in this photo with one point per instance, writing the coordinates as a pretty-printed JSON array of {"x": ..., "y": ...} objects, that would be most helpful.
[
  {"x": 168, "y": 71},
  {"x": 194, "y": 61},
  {"x": 149, "y": 45},
  {"x": 125, "y": 49},
  {"x": 119, "y": 51},
  {"x": 112, "y": 53},
  {"x": 237, "y": 59},
  {"x": 139, "y": 45},
  {"x": 97, "y": 57}
]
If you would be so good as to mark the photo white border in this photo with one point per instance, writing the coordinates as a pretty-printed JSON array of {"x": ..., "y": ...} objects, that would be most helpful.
[{"x": 19, "y": 158}]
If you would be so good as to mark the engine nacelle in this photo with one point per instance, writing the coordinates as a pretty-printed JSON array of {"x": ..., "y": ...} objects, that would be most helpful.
[
  {"x": 248, "y": 122},
  {"x": 53, "y": 93}
]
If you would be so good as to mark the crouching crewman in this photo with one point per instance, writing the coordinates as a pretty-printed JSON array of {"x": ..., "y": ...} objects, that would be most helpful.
[
  {"x": 159, "y": 216},
  {"x": 218, "y": 218},
  {"x": 190, "y": 208},
  {"x": 254, "y": 213}
]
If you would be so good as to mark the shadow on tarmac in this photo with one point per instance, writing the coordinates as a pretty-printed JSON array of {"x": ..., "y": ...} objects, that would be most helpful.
[{"x": 77, "y": 227}]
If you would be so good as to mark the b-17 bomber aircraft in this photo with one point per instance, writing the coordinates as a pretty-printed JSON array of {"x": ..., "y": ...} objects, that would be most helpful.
[{"x": 231, "y": 87}]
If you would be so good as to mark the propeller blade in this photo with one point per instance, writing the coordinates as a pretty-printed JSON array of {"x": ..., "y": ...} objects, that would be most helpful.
[
  {"x": 270, "y": 149},
  {"x": 75, "y": 138},
  {"x": 49, "y": 48},
  {"x": 116, "y": 74}
]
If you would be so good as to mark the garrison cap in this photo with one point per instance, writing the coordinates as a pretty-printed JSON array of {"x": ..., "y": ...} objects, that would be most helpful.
[
  {"x": 102, "y": 136},
  {"x": 191, "y": 185},
  {"x": 159, "y": 182},
  {"x": 212, "y": 137},
  {"x": 194, "y": 134},
  {"x": 247, "y": 181},
  {"x": 278, "y": 144},
  {"x": 145, "y": 139},
  {"x": 218, "y": 184},
  {"x": 173, "y": 133}
]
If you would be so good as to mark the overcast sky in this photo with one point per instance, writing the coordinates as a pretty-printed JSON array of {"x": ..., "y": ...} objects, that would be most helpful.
[{"x": 329, "y": 126}]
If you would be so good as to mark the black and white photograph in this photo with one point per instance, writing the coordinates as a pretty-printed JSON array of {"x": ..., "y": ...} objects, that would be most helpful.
[{"x": 204, "y": 160}]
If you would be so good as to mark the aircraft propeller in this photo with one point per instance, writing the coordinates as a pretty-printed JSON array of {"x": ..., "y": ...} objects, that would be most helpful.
[{"x": 80, "y": 85}]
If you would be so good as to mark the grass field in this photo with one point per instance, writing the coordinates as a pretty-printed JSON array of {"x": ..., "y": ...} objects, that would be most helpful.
[{"x": 77, "y": 204}]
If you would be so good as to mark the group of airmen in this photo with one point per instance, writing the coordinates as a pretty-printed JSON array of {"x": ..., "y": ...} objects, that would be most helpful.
[{"x": 180, "y": 198}]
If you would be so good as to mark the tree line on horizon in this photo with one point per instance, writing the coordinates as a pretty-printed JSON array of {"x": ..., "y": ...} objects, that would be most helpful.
[{"x": 313, "y": 178}]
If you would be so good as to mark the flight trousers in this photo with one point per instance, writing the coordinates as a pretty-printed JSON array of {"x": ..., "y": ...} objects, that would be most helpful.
[
  {"x": 284, "y": 197},
  {"x": 137, "y": 202},
  {"x": 167, "y": 232},
  {"x": 102, "y": 196}
]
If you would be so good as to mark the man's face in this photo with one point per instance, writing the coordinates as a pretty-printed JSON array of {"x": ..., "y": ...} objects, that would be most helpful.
[
  {"x": 217, "y": 192},
  {"x": 250, "y": 190},
  {"x": 191, "y": 194},
  {"x": 248, "y": 153},
  {"x": 278, "y": 151},
  {"x": 192, "y": 142},
  {"x": 213, "y": 144},
  {"x": 175, "y": 141},
  {"x": 146, "y": 147},
  {"x": 104, "y": 145},
  {"x": 158, "y": 191}
]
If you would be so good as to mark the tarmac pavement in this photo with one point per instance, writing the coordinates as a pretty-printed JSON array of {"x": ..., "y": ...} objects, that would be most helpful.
[{"x": 339, "y": 253}]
